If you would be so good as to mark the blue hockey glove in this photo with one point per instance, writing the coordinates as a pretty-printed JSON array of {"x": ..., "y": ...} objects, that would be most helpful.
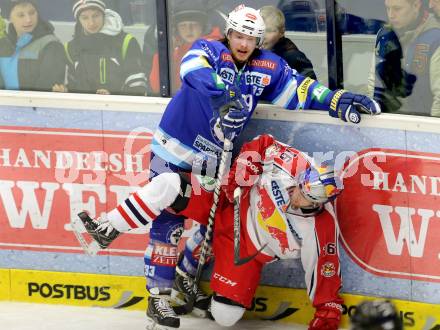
[
  {"x": 348, "y": 106},
  {"x": 231, "y": 97},
  {"x": 233, "y": 122}
]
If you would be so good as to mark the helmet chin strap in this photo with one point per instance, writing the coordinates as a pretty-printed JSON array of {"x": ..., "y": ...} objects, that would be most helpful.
[{"x": 304, "y": 211}]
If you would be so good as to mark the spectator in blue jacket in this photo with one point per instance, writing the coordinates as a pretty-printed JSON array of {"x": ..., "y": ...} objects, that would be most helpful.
[{"x": 31, "y": 56}]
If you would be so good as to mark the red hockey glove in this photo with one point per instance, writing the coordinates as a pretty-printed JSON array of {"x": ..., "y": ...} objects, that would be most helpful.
[
  {"x": 327, "y": 317},
  {"x": 244, "y": 173}
]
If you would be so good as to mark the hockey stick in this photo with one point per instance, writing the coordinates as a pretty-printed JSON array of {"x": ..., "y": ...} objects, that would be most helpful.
[
  {"x": 237, "y": 227},
  {"x": 227, "y": 147}
]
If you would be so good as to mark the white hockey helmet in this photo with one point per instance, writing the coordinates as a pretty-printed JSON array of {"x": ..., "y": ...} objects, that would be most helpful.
[
  {"x": 248, "y": 21},
  {"x": 319, "y": 184}
]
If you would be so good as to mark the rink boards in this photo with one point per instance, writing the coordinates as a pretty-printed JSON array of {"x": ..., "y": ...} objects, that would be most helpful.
[
  {"x": 55, "y": 162},
  {"x": 127, "y": 292}
]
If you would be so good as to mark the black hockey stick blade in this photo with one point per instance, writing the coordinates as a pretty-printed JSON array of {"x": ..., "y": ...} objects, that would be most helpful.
[{"x": 241, "y": 261}]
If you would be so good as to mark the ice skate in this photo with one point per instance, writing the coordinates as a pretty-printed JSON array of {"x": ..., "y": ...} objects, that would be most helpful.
[
  {"x": 101, "y": 230},
  {"x": 160, "y": 315},
  {"x": 183, "y": 287}
]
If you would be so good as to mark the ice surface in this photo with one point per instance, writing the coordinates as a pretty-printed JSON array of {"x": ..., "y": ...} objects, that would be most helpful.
[{"x": 26, "y": 316}]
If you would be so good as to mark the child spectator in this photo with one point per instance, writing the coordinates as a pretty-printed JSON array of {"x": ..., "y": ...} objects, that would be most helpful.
[
  {"x": 189, "y": 24},
  {"x": 275, "y": 41},
  {"x": 31, "y": 56},
  {"x": 103, "y": 59}
]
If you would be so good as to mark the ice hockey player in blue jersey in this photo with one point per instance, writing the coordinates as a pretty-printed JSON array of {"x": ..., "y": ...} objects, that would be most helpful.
[{"x": 222, "y": 82}]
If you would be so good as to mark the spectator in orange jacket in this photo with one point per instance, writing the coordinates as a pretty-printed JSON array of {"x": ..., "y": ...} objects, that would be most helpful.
[{"x": 189, "y": 25}]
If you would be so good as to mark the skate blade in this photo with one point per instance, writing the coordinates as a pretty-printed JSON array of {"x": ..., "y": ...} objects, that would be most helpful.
[
  {"x": 78, "y": 229},
  {"x": 196, "y": 312},
  {"x": 177, "y": 297},
  {"x": 179, "y": 305},
  {"x": 152, "y": 325}
]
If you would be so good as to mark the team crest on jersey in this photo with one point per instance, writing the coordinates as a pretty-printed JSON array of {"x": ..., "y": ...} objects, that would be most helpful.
[
  {"x": 328, "y": 269},
  {"x": 272, "y": 151},
  {"x": 173, "y": 235}
]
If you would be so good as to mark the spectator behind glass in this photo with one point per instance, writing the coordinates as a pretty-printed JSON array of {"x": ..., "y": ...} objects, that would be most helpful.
[
  {"x": 31, "y": 57},
  {"x": 435, "y": 7},
  {"x": 189, "y": 24},
  {"x": 2, "y": 27},
  {"x": 275, "y": 41},
  {"x": 414, "y": 33},
  {"x": 103, "y": 59}
]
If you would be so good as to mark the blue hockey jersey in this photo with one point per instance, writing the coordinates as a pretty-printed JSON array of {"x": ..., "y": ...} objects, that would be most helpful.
[{"x": 189, "y": 131}]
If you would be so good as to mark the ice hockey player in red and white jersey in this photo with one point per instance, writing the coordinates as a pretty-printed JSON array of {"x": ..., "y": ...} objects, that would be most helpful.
[{"x": 284, "y": 214}]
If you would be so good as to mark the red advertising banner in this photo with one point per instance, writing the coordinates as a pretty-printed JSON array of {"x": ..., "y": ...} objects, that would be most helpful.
[
  {"x": 47, "y": 176},
  {"x": 389, "y": 213}
]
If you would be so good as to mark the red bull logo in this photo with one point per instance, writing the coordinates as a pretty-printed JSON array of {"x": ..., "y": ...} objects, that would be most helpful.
[
  {"x": 271, "y": 220},
  {"x": 265, "y": 205},
  {"x": 281, "y": 237}
]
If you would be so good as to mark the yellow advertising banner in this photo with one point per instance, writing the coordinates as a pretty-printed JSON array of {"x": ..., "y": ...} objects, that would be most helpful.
[
  {"x": 128, "y": 292},
  {"x": 78, "y": 289},
  {"x": 5, "y": 282}
]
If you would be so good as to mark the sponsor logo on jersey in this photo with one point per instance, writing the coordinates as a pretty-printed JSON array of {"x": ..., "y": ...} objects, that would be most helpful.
[
  {"x": 271, "y": 219},
  {"x": 164, "y": 255},
  {"x": 328, "y": 269},
  {"x": 277, "y": 194},
  {"x": 287, "y": 156},
  {"x": 227, "y": 74},
  {"x": 265, "y": 64},
  {"x": 206, "y": 182},
  {"x": 320, "y": 93},
  {"x": 303, "y": 92},
  {"x": 257, "y": 79},
  {"x": 226, "y": 57},
  {"x": 207, "y": 50},
  {"x": 207, "y": 146}
]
